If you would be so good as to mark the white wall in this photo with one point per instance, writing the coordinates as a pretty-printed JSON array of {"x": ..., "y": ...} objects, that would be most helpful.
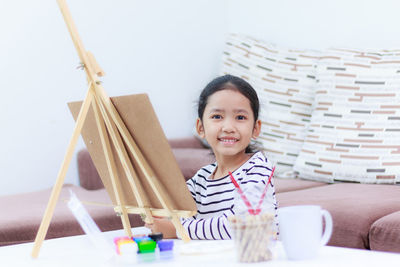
[
  {"x": 168, "y": 49},
  {"x": 319, "y": 24}
]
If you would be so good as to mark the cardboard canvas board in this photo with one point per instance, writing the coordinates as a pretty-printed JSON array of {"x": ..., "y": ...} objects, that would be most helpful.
[{"x": 141, "y": 121}]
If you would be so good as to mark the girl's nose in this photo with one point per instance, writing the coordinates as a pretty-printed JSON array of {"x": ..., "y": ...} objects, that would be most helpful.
[{"x": 228, "y": 126}]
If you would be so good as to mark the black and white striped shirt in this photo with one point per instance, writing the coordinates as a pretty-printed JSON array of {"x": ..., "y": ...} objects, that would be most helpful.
[{"x": 215, "y": 198}]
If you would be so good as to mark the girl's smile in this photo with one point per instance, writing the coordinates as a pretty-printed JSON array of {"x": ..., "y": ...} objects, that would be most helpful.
[{"x": 228, "y": 140}]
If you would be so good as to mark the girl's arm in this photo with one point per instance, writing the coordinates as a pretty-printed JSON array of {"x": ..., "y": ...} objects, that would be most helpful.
[{"x": 213, "y": 228}]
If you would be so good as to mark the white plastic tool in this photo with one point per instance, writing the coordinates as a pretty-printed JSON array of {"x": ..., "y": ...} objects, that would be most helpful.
[{"x": 90, "y": 227}]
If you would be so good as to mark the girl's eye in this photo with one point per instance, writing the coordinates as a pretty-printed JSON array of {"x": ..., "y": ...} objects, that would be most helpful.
[
  {"x": 217, "y": 117},
  {"x": 241, "y": 117}
]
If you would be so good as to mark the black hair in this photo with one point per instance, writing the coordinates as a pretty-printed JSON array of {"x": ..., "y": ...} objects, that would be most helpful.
[{"x": 229, "y": 82}]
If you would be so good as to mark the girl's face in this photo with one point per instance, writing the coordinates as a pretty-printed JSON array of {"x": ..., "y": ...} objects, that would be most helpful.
[{"x": 228, "y": 123}]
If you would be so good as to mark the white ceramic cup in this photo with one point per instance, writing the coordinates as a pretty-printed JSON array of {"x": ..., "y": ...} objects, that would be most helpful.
[{"x": 300, "y": 229}]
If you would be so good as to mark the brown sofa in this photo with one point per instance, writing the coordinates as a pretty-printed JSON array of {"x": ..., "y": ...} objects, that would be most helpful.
[
  {"x": 364, "y": 216},
  {"x": 21, "y": 214}
]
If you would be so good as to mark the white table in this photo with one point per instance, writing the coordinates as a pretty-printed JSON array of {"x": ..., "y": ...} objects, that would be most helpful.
[{"x": 79, "y": 251}]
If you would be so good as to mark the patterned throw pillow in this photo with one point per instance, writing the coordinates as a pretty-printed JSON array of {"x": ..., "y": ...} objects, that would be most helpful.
[
  {"x": 354, "y": 134},
  {"x": 284, "y": 80}
]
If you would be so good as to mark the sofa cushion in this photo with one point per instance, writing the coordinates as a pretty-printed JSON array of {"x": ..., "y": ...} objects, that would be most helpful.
[
  {"x": 24, "y": 213},
  {"x": 355, "y": 126},
  {"x": 285, "y": 185},
  {"x": 89, "y": 178},
  {"x": 354, "y": 208},
  {"x": 190, "y": 160},
  {"x": 186, "y": 142},
  {"x": 384, "y": 234},
  {"x": 284, "y": 80}
]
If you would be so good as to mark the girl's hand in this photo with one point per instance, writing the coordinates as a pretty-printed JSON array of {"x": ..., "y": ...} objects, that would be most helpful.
[{"x": 164, "y": 226}]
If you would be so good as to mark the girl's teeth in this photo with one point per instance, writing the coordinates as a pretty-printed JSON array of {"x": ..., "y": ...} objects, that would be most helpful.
[{"x": 228, "y": 140}]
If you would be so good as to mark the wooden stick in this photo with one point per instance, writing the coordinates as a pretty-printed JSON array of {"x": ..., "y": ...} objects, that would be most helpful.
[
  {"x": 244, "y": 239},
  {"x": 130, "y": 173},
  {"x": 249, "y": 237},
  {"x": 55, "y": 193},
  {"x": 257, "y": 239},
  {"x": 254, "y": 240},
  {"x": 77, "y": 41},
  {"x": 157, "y": 212},
  {"x": 112, "y": 169},
  {"x": 94, "y": 65},
  {"x": 139, "y": 210}
]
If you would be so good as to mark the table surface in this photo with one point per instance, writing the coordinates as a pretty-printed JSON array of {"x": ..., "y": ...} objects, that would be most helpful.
[{"x": 81, "y": 251}]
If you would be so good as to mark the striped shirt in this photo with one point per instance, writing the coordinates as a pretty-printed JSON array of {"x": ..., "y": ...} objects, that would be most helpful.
[{"x": 215, "y": 198}]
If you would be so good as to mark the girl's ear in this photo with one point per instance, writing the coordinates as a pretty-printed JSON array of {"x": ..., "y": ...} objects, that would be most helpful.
[
  {"x": 200, "y": 128},
  {"x": 257, "y": 129}
]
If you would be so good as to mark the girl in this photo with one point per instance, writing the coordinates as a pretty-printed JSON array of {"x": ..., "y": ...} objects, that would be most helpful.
[{"x": 228, "y": 120}]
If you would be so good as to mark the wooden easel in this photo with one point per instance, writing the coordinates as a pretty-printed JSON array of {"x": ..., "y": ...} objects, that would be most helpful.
[{"x": 111, "y": 125}]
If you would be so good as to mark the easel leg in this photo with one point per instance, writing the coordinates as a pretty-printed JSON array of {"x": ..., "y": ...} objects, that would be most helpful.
[
  {"x": 130, "y": 173},
  {"x": 44, "y": 226},
  {"x": 105, "y": 142},
  {"x": 179, "y": 228}
]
